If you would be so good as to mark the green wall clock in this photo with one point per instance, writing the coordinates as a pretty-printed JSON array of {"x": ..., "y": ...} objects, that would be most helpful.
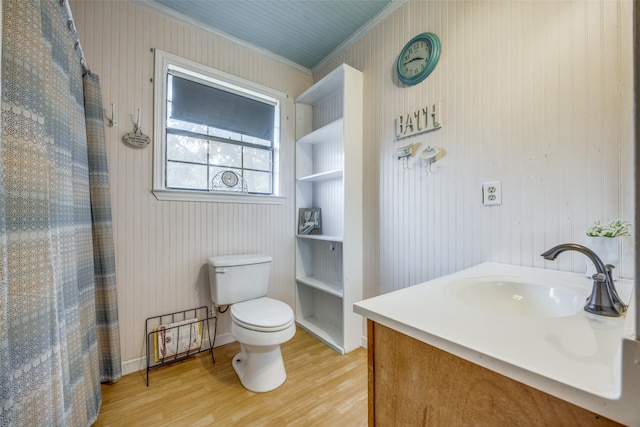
[{"x": 418, "y": 58}]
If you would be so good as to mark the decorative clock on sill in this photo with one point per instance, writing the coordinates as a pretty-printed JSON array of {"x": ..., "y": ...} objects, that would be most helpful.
[
  {"x": 229, "y": 181},
  {"x": 418, "y": 58}
]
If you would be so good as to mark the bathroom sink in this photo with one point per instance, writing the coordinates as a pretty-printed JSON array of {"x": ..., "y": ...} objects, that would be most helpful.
[{"x": 514, "y": 296}]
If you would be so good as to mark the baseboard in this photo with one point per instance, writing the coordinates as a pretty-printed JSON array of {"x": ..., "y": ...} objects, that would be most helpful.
[
  {"x": 140, "y": 363},
  {"x": 363, "y": 342}
]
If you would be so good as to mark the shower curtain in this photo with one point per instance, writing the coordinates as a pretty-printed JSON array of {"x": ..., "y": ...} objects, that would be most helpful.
[{"x": 58, "y": 319}]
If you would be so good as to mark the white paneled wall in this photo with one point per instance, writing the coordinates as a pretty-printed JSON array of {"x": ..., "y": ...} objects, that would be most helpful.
[
  {"x": 536, "y": 94},
  {"x": 162, "y": 247}
]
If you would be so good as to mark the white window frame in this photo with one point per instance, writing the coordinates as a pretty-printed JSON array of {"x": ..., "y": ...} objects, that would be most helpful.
[{"x": 166, "y": 62}]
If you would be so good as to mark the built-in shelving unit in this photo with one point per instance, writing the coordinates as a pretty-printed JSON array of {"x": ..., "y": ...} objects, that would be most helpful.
[{"x": 329, "y": 266}]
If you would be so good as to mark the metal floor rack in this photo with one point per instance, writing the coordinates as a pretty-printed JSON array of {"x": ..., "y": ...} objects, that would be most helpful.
[{"x": 157, "y": 325}]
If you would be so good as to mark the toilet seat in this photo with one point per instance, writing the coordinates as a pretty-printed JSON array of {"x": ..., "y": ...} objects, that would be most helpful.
[{"x": 262, "y": 314}]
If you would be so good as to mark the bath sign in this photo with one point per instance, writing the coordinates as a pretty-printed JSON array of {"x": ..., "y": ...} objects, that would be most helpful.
[{"x": 424, "y": 119}]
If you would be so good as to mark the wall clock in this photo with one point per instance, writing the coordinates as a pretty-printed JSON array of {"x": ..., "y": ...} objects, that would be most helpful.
[{"x": 418, "y": 58}]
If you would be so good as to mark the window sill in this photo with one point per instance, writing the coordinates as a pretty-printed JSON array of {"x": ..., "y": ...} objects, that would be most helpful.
[{"x": 216, "y": 197}]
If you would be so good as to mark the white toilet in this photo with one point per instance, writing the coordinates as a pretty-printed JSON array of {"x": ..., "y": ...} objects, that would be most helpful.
[{"x": 259, "y": 324}]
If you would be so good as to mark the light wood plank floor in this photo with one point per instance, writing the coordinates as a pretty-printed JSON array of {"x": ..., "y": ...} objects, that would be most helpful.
[{"x": 322, "y": 388}]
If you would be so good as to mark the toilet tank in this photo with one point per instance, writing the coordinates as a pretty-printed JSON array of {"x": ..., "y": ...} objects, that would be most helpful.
[{"x": 237, "y": 278}]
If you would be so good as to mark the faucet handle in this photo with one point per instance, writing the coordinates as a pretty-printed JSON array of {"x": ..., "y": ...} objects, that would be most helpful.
[
  {"x": 614, "y": 293},
  {"x": 599, "y": 277}
]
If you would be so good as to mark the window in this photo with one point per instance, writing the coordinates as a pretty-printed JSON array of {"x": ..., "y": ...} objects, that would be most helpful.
[{"x": 208, "y": 125}]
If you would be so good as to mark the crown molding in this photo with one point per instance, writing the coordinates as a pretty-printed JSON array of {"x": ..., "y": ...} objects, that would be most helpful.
[
  {"x": 163, "y": 10},
  {"x": 372, "y": 23}
]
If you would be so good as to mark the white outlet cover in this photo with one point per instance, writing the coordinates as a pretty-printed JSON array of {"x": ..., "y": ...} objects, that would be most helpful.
[{"x": 492, "y": 193}]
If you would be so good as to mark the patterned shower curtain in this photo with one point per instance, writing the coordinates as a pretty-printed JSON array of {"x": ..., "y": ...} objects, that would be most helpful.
[
  {"x": 107, "y": 330},
  {"x": 58, "y": 320}
]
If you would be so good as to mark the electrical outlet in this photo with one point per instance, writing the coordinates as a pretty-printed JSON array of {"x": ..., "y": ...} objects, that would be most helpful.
[{"x": 492, "y": 193}]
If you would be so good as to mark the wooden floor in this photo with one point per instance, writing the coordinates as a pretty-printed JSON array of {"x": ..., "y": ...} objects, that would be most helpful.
[{"x": 322, "y": 389}]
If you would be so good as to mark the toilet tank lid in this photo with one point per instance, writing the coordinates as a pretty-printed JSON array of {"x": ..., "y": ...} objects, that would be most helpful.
[{"x": 232, "y": 260}]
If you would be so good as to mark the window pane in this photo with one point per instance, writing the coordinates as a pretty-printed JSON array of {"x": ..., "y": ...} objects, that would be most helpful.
[
  {"x": 187, "y": 176},
  {"x": 190, "y": 127},
  {"x": 258, "y": 182},
  {"x": 186, "y": 149},
  {"x": 225, "y": 134},
  {"x": 223, "y": 154},
  {"x": 255, "y": 158},
  {"x": 223, "y": 109},
  {"x": 256, "y": 141}
]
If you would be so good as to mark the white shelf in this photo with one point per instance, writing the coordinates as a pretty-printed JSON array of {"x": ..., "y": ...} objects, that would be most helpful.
[
  {"x": 329, "y": 269},
  {"x": 327, "y": 333},
  {"x": 325, "y": 237},
  {"x": 322, "y": 176},
  {"x": 330, "y": 83},
  {"x": 332, "y": 288},
  {"x": 326, "y": 133}
]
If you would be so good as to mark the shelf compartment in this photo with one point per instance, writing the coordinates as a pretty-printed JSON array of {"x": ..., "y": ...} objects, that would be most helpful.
[
  {"x": 321, "y": 315},
  {"x": 324, "y": 134},
  {"x": 332, "y": 82},
  {"x": 328, "y": 334},
  {"x": 319, "y": 259},
  {"x": 332, "y": 288}
]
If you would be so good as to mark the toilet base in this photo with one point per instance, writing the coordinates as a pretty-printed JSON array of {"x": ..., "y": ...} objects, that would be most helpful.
[{"x": 260, "y": 368}]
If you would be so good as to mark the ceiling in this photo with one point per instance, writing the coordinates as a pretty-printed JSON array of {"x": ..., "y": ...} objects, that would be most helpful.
[{"x": 304, "y": 32}]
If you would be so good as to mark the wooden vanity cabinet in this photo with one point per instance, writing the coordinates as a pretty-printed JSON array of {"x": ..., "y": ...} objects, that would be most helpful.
[{"x": 412, "y": 383}]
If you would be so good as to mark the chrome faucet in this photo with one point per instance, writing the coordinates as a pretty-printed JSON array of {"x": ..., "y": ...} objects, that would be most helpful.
[{"x": 604, "y": 299}]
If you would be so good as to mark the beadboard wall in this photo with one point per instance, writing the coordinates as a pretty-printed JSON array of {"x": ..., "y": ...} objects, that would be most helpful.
[
  {"x": 536, "y": 94},
  {"x": 162, "y": 246}
]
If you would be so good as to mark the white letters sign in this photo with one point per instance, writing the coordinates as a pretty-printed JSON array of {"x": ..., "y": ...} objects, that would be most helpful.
[{"x": 422, "y": 120}]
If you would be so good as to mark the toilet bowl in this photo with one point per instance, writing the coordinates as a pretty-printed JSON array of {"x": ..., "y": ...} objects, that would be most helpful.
[{"x": 260, "y": 324}]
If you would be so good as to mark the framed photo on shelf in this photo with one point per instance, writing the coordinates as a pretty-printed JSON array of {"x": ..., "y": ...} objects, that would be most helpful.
[{"x": 309, "y": 221}]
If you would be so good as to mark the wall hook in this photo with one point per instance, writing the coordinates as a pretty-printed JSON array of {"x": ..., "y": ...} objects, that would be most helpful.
[
  {"x": 405, "y": 163},
  {"x": 405, "y": 154},
  {"x": 429, "y": 156},
  {"x": 136, "y": 124},
  {"x": 111, "y": 121},
  {"x": 136, "y": 138}
]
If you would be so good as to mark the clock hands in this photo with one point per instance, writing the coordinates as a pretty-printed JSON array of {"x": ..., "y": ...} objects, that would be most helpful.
[{"x": 417, "y": 58}]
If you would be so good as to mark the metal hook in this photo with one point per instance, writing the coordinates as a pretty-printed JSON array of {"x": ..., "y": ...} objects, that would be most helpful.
[
  {"x": 136, "y": 125},
  {"x": 406, "y": 163},
  {"x": 111, "y": 121},
  {"x": 429, "y": 156}
]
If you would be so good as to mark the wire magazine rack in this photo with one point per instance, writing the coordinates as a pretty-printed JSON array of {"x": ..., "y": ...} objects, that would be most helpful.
[{"x": 176, "y": 336}]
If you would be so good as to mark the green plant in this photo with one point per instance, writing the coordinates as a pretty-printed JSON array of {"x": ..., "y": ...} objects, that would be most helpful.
[{"x": 614, "y": 229}]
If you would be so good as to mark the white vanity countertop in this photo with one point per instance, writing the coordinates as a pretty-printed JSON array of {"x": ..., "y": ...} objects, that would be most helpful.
[{"x": 577, "y": 358}]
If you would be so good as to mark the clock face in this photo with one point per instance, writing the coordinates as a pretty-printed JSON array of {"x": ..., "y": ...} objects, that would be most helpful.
[
  {"x": 415, "y": 58},
  {"x": 229, "y": 179},
  {"x": 418, "y": 58}
]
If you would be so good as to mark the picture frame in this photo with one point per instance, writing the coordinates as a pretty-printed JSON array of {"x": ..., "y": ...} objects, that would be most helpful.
[{"x": 309, "y": 221}]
